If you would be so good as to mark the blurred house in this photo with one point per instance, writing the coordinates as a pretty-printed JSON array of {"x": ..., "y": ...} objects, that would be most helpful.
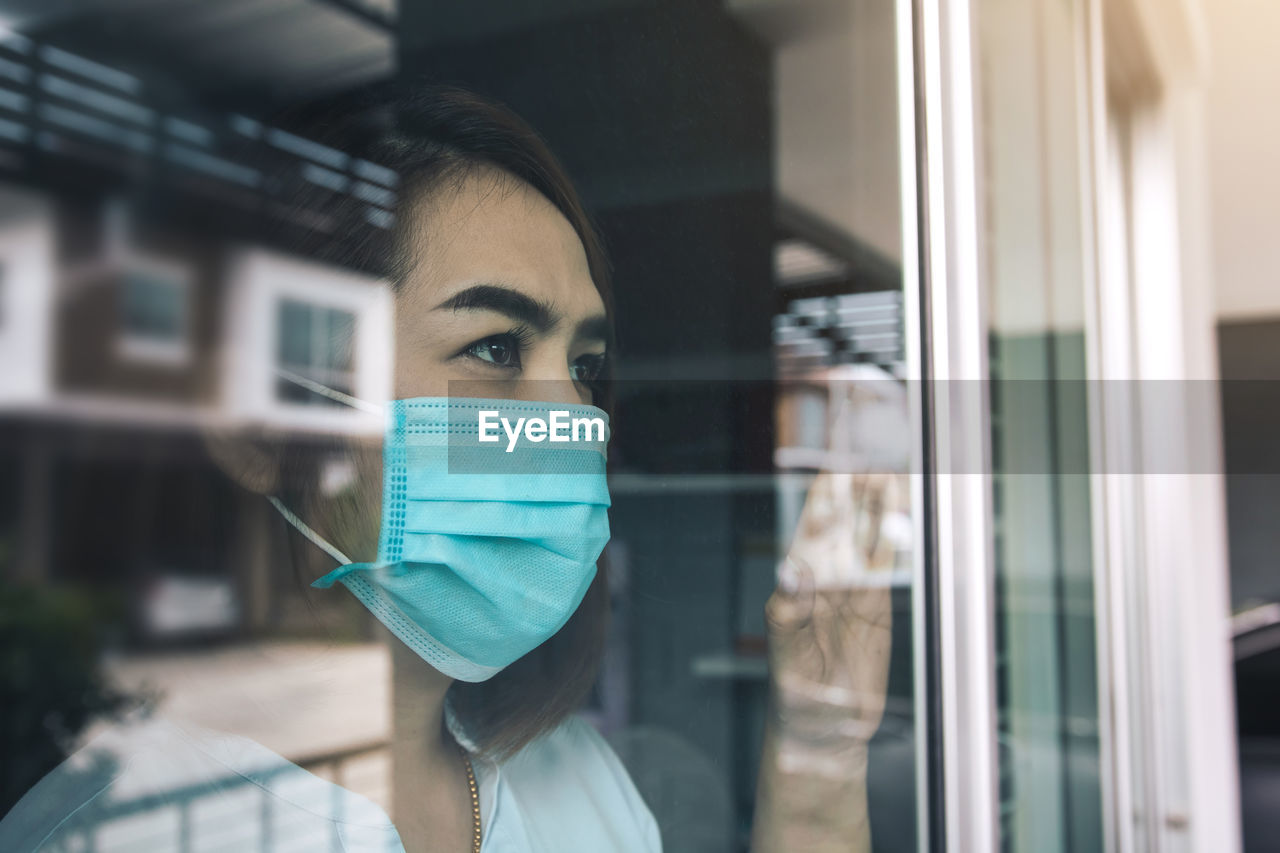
[{"x": 145, "y": 312}]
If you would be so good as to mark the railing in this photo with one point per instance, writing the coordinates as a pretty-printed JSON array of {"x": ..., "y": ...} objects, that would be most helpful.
[
  {"x": 168, "y": 820},
  {"x": 71, "y": 122},
  {"x": 335, "y": 761}
]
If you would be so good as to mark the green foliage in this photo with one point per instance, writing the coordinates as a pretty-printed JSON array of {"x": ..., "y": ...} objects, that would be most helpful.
[{"x": 51, "y": 680}]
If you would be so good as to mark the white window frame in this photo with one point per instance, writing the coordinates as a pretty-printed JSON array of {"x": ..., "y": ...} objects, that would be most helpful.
[
  {"x": 257, "y": 280},
  {"x": 351, "y": 374},
  {"x": 1164, "y": 633},
  {"x": 945, "y": 315},
  {"x": 140, "y": 348},
  {"x": 1176, "y": 680}
]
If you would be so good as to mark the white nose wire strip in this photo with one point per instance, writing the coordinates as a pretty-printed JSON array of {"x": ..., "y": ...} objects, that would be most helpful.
[
  {"x": 306, "y": 531},
  {"x": 326, "y": 391}
]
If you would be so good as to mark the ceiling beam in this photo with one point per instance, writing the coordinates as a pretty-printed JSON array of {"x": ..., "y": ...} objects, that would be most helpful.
[{"x": 365, "y": 12}]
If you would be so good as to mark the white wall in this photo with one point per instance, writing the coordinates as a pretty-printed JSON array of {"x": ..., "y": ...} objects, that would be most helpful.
[
  {"x": 836, "y": 101},
  {"x": 27, "y": 290},
  {"x": 1242, "y": 122},
  {"x": 258, "y": 280}
]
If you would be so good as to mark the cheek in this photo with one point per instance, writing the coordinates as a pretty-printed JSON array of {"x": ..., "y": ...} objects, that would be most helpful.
[
  {"x": 419, "y": 366},
  {"x": 418, "y": 374},
  {"x": 351, "y": 517}
]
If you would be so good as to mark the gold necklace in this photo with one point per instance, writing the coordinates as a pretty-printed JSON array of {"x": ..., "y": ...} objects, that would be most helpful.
[{"x": 475, "y": 799}]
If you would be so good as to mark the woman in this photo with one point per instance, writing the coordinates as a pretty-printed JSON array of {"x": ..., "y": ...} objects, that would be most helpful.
[{"x": 502, "y": 295}]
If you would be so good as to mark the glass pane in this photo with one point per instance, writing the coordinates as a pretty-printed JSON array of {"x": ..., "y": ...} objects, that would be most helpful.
[
  {"x": 294, "y": 333},
  {"x": 291, "y": 575},
  {"x": 153, "y": 307},
  {"x": 1045, "y": 630},
  {"x": 338, "y": 338}
]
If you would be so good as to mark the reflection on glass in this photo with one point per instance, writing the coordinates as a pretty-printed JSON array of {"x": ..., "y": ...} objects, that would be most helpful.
[
  {"x": 740, "y": 160},
  {"x": 316, "y": 344},
  {"x": 1045, "y": 664},
  {"x": 153, "y": 308}
]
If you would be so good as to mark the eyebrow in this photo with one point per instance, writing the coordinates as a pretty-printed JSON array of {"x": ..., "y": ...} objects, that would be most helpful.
[
  {"x": 503, "y": 300},
  {"x": 523, "y": 308},
  {"x": 595, "y": 328}
]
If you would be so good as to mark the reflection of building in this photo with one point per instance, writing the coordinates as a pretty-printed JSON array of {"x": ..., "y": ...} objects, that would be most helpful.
[
  {"x": 126, "y": 345},
  {"x": 671, "y": 135},
  {"x": 140, "y": 314}
]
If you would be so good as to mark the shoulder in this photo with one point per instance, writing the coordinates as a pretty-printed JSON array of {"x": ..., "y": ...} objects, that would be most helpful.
[
  {"x": 77, "y": 796},
  {"x": 143, "y": 777},
  {"x": 59, "y": 802},
  {"x": 569, "y": 786}
]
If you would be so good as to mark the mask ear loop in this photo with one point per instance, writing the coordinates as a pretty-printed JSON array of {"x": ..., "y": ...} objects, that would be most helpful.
[
  {"x": 346, "y": 399},
  {"x": 303, "y": 528},
  {"x": 325, "y": 391}
]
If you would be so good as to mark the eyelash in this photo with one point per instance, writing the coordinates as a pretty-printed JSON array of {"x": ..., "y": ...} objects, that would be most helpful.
[
  {"x": 518, "y": 339},
  {"x": 596, "y": 362}
]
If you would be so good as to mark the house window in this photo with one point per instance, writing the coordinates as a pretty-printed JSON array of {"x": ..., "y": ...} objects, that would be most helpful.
[
  {"x": 154, "y": 315},
  {"x": 316, "y": 345}
]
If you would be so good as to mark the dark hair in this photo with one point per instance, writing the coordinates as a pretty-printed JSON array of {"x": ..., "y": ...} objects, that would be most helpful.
[
  {"x": 433, "y": 137},
  {"x": 437, "y": 137},
  {"x": 441, "y": 135}
]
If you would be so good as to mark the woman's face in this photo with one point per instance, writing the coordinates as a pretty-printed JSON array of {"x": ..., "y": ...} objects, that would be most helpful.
[
  {"x": 500, "y": 295},
  {"x": 499, "y": 302}
]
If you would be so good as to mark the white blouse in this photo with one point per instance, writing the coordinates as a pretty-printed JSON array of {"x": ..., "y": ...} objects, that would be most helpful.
[{"x": 161, "y": 786}]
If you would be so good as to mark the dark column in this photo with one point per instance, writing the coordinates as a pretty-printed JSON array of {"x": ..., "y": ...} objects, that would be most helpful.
[
  {"x": 34, "y": 523},
  {"x": 662, "y": 114}
]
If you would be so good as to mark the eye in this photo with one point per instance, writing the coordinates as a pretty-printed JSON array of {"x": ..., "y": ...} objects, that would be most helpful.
[
  {"x": 500, "y": 350},
  {"x": 588, "y": 368}
]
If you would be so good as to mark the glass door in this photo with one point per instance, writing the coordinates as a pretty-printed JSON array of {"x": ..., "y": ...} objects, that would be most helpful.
[
  {"x": 1006, "y": 265},
  {"x": 1035, "y": 256}
]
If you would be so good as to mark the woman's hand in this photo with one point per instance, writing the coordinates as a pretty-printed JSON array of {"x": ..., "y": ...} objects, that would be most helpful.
[
  {"x": 829, "y": 625},
  {"x": 829, "y": 635}
]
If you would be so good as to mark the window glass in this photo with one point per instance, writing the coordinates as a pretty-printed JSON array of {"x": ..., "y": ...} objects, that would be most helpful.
[
  {"x": 1045, "y": 667},
  {"x": 153, "y": 308},
  {"x": 315, "y": 343},
  {"x": 298, "y": 587},
  {"x": 295, "y": 334}
]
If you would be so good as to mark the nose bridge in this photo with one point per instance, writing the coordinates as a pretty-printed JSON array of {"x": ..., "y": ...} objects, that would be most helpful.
[
  {"x": 549, "y": 389},
  {"x": 545, "y": 375},
  {"x": 546, "y": 378}
]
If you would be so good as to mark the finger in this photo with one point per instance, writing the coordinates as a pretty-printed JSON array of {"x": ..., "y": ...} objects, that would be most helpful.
[
  {"x": 869, "y": 607},
  {"x": 790, "y": 607},
  {"x": 815, "y": 514},
  {"x": 871, "y": 502}
]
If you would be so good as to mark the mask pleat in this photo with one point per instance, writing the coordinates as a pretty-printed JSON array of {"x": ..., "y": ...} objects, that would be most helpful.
[{"x": 486, "y": 548}]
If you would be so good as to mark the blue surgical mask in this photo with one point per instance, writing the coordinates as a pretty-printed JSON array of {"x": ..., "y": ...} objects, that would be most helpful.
[{"x": 486, "y": 547}]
